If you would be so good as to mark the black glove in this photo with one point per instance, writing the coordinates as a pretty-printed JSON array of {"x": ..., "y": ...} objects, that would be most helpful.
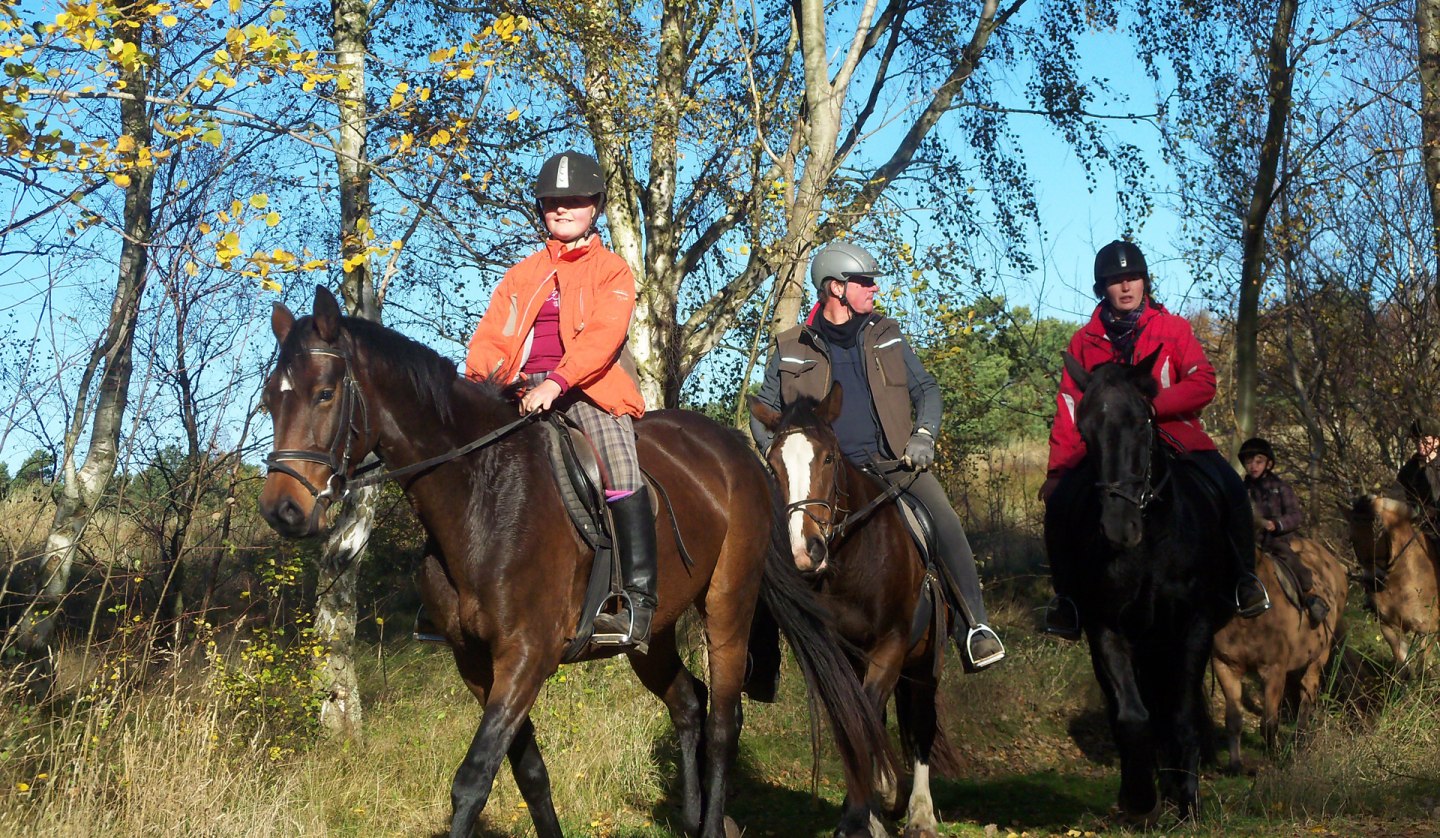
[{"x": 919, "y": 451}]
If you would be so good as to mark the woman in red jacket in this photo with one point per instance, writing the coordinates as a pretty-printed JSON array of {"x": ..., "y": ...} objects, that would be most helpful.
[
  {"x": 557, "y": 323},
  {"x": 1128, "y": 325}
]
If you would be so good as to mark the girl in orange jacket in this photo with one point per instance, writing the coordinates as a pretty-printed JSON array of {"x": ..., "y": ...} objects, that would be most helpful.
[{"x": 557, "y": 323}]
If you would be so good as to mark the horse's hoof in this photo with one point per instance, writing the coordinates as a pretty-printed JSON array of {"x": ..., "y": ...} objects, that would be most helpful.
[
  {"x": 731, "y": 829},
  {"x": 1141, "y": 820},
  {"x": 918, "y": 831}
]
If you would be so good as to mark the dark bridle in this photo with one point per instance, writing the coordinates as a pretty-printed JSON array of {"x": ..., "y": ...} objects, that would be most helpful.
[
  {"x": 1143, "y": 493},
  {"x": 834, "y": 531},
  {"x": 340, "y": 457}
]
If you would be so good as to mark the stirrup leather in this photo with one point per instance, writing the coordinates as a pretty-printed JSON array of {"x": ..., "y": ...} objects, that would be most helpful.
[{"x": 1254, "y": 610}]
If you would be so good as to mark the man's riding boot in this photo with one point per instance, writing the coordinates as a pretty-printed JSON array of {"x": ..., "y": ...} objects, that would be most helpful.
[
  {"x": 635, "y": 549},
  {"x": 1062, "y": 618}
]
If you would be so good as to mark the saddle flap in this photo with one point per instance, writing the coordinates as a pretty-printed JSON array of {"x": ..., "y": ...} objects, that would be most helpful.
[{"x": 578, "y": 476}]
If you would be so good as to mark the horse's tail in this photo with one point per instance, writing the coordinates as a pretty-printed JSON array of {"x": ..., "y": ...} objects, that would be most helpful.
[{"x": 860, "y": 735}]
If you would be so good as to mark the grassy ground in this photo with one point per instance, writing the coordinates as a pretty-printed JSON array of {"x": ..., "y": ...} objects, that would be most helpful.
[{"x": 184, "y": 757}]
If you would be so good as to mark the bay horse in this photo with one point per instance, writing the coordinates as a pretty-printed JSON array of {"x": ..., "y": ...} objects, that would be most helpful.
[
  {"x": 1400, "y": 575},
  {"x": 505, "y": 584},
  {"x": 1133, "y": 539},
  {"x": 1282, "y": 646},
  {"x": 847, "y": 534}
]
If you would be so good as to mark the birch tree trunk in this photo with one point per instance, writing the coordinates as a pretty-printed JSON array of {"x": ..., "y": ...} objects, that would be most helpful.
[
  {"x": 1427, "y": 28},
  {"x": 79, "y": 489},
  {"x": 341, "y": 712}
]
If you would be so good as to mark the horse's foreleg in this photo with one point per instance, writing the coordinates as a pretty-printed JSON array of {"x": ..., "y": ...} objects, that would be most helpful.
[
  {"x": 882, "y": 671},
  {"x": 1309, "y": 692},
  {"x": 1232, "y": 687},
  {"x": 919, "y": 728},
  {"x": 507, "y": 711},
  {"x": 1399, "y": 644},
  {"x": 664, "y": 674},
  {"x": 1130, "y": 721},
  {"x": 534, "y": 781},
  {"x": 1273, "y": 677}
]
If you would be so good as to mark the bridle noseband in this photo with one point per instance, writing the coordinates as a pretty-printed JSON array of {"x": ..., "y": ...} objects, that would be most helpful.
[{"x": 841, "y": 520}]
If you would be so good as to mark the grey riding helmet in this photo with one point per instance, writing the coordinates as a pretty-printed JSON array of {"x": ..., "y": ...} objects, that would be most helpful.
[{"x": 842, "y": 261}]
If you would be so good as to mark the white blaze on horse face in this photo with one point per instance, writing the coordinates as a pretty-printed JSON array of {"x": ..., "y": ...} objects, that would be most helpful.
[
  {"x": 797, "y": 453},
  {"x": 285, "y": 385}
]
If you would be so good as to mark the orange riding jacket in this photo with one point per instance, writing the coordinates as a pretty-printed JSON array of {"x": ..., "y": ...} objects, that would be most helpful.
[{"x": 597, "y": 299}]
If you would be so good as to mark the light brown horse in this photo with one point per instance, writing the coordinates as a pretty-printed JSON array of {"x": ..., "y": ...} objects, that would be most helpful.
[
  {"x": 505, "y": 583},
  {"x": 849, "y": 538},
  {"x": 1282, "y": 646},
  {"x": 1400, "y": 575}
]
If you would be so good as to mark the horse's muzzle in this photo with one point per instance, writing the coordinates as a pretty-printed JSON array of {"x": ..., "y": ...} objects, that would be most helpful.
[{"x": 812, "y": 560}]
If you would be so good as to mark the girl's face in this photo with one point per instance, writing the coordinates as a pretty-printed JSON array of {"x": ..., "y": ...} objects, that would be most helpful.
[
  {"x": 569, "y": 218},
  {"x": 1126, "y": 293}
]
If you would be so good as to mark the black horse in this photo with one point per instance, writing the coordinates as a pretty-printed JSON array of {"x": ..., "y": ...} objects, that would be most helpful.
[{"x": 1138, "y": 542}]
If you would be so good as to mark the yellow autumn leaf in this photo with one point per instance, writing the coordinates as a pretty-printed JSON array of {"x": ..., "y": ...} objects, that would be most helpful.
[
  {"x": 396, "y": 244},
  {"x": 234, "y": 7},
  {"x": 270, "y": 285},
  {"x": 512, "y": 116},
  {"x": 272, "y": 219},
  {"x": 169, "y": 20},
  {"x": 192, "y": 269},
  {"x": 124, "y": 144},
  {"x": 259, "y": 201},
  {"x": 121, "y": 180},
  {"x": 204, "y": 228}
]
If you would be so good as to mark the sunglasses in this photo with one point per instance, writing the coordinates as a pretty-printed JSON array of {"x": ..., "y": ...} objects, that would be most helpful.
[{"x": 862, "y": 281}]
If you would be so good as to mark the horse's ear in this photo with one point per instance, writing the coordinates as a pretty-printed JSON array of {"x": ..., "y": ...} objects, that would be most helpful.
[
  {"x": 1146, "y": 366},
  {"x": 1077, "y": 371},
  {"x": 767, "y": 415},
  {"x": 327, "y": 314},
  {"x": 281, "y": 321},
  {"x": 829, "y": 407}
]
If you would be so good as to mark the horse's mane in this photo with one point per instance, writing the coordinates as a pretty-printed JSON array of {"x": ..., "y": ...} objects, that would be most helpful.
[{"x": 431, "y": 375}]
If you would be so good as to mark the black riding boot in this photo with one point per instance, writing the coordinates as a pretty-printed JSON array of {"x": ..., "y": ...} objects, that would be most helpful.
[
  {"x": 1251, "y": 599},
  {"x": 635, "y": 549}
]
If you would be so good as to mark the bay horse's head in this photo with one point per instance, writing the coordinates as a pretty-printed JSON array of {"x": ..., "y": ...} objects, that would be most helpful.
[
  {"x": 805, "y": 456},
  {"x": 322, "y": 424},
  {"x": 1116, "y": 420}
]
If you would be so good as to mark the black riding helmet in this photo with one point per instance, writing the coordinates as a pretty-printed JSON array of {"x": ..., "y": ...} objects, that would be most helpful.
[
  {"x": 1256, "y": 445},
  {"x": 571, "y": 174},
  {"x": 1119, "y": 258}
]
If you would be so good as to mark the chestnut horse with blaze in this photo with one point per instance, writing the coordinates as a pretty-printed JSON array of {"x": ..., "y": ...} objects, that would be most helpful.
[
  {"x": 848, "y": 537},
  {"x": 505, "y": 583}
]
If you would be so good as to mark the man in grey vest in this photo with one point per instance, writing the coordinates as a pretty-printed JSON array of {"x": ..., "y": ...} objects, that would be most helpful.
[{"x": 843, "y": 341}]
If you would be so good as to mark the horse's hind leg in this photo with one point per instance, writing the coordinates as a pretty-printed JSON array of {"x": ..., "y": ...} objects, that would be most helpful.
[
  {"x": 919, "y": 730},
  {"x": 726, "y": 638},
  {"x": 664, "y": 674}
]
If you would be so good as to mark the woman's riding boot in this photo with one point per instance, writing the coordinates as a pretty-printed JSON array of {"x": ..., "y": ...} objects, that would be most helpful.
[{"x": 635, "y": 550}]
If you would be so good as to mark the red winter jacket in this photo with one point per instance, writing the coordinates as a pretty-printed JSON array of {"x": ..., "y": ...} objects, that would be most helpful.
[{"x": 1186, "y": 379}]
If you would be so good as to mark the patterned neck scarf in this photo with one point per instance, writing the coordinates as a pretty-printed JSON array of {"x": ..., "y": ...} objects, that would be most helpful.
[{"x": 1123, "y": 330}]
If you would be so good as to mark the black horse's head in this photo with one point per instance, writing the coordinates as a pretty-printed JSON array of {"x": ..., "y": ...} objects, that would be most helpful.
[{"x": 1115, "y": 420}]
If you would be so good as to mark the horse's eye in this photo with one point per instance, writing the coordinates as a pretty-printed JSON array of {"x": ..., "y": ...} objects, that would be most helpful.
[
  {"x": 325, "y": 395},
  {"x": 829, "y": 459}
]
